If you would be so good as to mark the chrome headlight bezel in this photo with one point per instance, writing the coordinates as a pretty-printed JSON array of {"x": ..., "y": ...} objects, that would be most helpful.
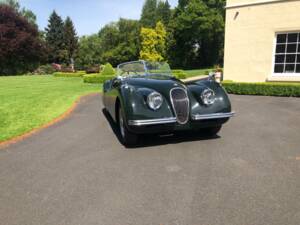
[
  {"x": 208, "y": 97},
  {"x": 154, "y": 100}
]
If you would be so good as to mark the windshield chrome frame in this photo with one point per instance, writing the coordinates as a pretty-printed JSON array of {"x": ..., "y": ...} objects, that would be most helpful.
[{"x": 145, "y": 68}]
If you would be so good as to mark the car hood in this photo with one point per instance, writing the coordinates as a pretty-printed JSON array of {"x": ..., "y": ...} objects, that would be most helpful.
[{"x": 159, "y": 83}]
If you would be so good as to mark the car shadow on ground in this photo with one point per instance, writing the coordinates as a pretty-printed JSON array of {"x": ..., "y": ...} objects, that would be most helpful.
[{"x": 149, "y": 140}]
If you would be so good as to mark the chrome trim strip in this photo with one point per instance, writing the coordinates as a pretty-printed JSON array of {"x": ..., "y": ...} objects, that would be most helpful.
[
  {"x": 172, "y": 102},
  {"x": 213, "y": 116},
  {"x": 152, "y": 121}
]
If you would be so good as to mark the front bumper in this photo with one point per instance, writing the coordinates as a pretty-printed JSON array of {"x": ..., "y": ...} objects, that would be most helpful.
[
  {"x": 170, "y": 124},
  {"x": 152, "y": 121},
  {"x": 213, "y": 116},
  {"x": 173, "y": 119}
]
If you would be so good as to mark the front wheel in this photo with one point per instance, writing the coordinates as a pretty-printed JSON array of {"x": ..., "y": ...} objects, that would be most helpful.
[
  {"x": 212, "y": 131},
  {"x": 127, "y": 138}
]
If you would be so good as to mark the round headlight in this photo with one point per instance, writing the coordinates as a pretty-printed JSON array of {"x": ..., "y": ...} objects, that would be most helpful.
[
  {"x": 154, "y": 100},
  {"x": 208, "y": 97}
]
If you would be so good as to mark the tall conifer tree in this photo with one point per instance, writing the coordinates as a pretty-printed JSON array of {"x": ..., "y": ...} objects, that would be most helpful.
[
  {"x": 55, "y": 39},
  {"x": 163, "y": 12},
  {"x": 148, "y": 17},
  {"x": 70, "y": 38}
]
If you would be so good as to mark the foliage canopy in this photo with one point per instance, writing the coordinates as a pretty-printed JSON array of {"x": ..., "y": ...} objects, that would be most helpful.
[
  {"x": 120, "y": 41},
  {"x": 189, "y": 36},
  {"x": 21, "y": 49},
  {"x": 196, "y": 34},
  {"x": 89, "y": 52},
  {"x": 153, "y": 43},
  {"x": 26, "y": 13}
]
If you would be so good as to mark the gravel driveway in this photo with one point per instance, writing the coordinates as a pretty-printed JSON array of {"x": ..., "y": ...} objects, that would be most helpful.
[{"x": 77, "y": 173}]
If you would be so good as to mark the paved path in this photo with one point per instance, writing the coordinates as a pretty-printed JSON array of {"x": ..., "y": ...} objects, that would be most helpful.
[{"x": 77, "y": 173}]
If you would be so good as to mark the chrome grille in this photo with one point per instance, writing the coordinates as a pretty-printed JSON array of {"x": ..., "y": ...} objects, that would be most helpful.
[{"x": 180, "y": 102}]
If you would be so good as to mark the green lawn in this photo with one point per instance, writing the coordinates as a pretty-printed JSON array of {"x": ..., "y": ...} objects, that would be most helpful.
[
  {"x": 27, "y": 102},
  {"x": 198, "y": 72}
]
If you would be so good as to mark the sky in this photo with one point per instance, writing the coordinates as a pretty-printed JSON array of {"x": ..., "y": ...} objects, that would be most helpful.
[{"x": 89, "y": 16}]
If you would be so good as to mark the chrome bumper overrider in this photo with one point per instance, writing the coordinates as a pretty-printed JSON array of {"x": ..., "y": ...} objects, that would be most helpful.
[
  {"x": 152, "y": 121},
  {"x": 174, "y": 120},
  {"x": 212, "y": 116}
]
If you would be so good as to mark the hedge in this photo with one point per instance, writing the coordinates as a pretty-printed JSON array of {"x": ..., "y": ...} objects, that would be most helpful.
[
  {"x": 65, "y": 74},
  {"x": 177, "y": 71},
  {"x": 96, "y": 78},
  {"x": 266, "y": 89},
  {"x": 179, "y": 74},
  {"x": 44, "y": 70},
  {"x": 108, "y": 70}
]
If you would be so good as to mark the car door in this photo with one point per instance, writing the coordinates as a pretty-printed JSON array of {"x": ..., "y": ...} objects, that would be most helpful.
[{"x": 111, "y": 90}]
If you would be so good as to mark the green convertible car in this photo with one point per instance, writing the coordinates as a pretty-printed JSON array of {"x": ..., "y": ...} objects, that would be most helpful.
[{"x": 146, "y": 98}]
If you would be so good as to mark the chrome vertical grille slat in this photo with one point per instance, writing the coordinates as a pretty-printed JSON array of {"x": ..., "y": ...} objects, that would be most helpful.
[{"x": 180, "y": 103}]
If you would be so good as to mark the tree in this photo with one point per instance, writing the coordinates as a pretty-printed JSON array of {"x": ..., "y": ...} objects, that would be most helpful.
[
  {"x": 148, "y": 17},
  {"x": 89, "y": 52},
  {"x": 120, "y": 41},
  {"x": 28, "y": 14},
  {"x": 196, "y": 37},
  {"x": 163, "y": 12},
  {"x": 21, "y": 49},
  {"x": 161, "y": 38},
  {"x": 153, "y": 43},
  {"x": 55, "y": 39},
  {"x": 183, "y": 3},
  {"x": 70, "y": 38},
  {"x": 216, "y": 4},
  {"x": 12, "y": 3}
]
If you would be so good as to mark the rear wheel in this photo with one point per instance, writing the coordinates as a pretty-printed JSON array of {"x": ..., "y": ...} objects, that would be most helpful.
[{"x": 127, "y": 138}]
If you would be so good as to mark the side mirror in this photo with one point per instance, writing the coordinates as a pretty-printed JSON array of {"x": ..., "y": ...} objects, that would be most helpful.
[
  {"x": 116, "y": 83},
  {"x": 106, "y": 85}
]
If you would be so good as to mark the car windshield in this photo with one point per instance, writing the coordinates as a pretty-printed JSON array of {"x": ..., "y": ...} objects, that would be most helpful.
[{"x": 144, "y": 68}]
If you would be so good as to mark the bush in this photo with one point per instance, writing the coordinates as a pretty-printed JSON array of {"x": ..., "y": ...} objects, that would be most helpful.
[
  {"x": 108, "y": 70},
  {"x": 75, "y": 74},
  {"x": 44, "y": 70},
  {"x": 56, "y": 66},
  {"x": 66, "y": 69},
  {"x": 179, "y": 74},
  {"x": 266, "y": 89},
  {"x": 93, "y": 69},
  {"x": 96, "y": 78}
]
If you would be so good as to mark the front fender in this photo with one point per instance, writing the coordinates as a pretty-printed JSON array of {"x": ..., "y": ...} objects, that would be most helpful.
[
  {"x": 221, "y": 105},
  {"x": 134, "y": 103}
]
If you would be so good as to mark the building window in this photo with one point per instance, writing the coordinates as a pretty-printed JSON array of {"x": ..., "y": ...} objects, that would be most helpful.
[{"x": 287, "y": 53}]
